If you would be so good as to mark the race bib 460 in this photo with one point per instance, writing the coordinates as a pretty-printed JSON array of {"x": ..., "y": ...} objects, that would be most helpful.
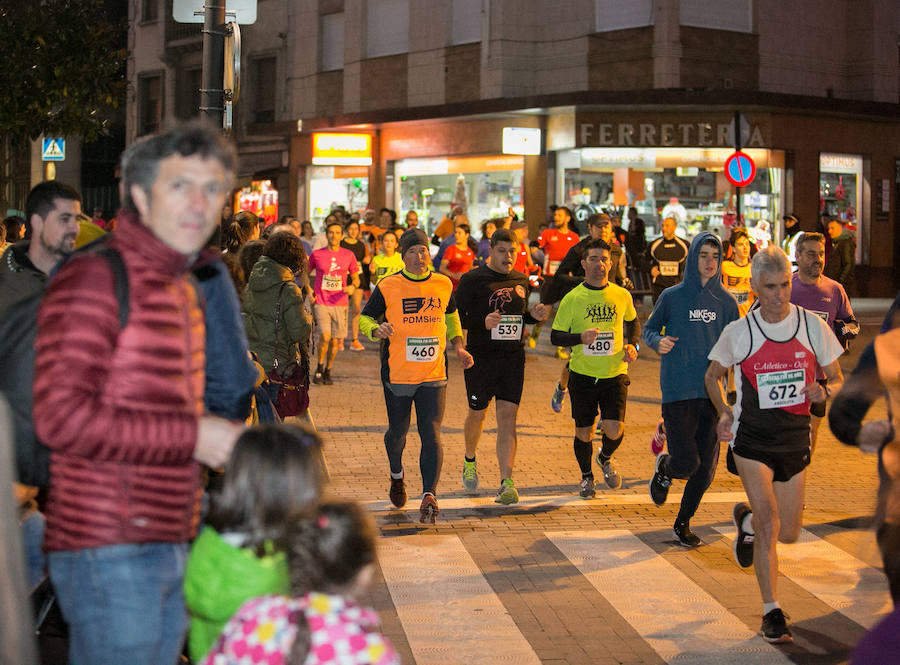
[{"x": 422, "y": 349}]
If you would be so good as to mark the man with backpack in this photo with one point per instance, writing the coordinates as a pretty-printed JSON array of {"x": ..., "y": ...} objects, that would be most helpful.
[
  {"x": 121, "y": 406},
  {"x": 51, "y": 211}
]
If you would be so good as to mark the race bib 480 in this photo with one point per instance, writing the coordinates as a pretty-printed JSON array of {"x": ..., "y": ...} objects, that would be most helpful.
[{"x": 601, "y": 346}]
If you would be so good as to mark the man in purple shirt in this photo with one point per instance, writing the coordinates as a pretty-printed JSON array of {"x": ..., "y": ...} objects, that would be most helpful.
[
  {"x": 824, "y": 297},
  {"x": 337, "y": 276}
]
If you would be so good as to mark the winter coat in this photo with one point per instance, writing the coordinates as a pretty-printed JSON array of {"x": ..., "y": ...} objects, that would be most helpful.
[
  {"x": 841, "y": 260},
  {"x": 270, "y": 281},
  {"x": 218, "y": 579},
  {"x": 120, "y": 409},
  {"x": 230, "y": 373},
  {"x": 19, "y": 277}
]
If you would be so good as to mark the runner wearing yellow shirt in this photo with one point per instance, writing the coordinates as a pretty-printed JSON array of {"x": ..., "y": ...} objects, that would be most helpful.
[
  {"x": 387, "y": 262},
  {"x": 595, "y": 318}
]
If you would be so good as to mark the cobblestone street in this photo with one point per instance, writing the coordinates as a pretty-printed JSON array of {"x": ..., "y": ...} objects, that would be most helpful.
[{"x": 563, "y": 581}]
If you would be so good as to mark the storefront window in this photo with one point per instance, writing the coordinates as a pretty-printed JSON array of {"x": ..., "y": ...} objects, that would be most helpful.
[
  {"x": 486, "y": 187},
  {"x": 330, "y": 186},
  {"x": 261, "y": 199},
  {"x": 840, "y": 183},
  {"x": 686, "y": 183}
]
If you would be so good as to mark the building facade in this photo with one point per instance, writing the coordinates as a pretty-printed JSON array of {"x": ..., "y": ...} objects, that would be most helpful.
[{"x": 635, "y": 101}]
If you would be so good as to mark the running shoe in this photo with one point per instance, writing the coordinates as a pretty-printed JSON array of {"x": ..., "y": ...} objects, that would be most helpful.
[
  {"x": 326, "y": 377},
  {"x": 507, "y": 493},
  {"x": 429, "y": 510},
  {"x": 317, "y": 377},
  {"x": 470, "y": 476},
  {"x": 397, "y": 492},
  {"x": 357, "y": 346},
  {"x": 658, "y": 442},
  {"x": 685, "y": 536},
  {"x": 774, "y": 627},
  {"x": 660, "y": 482},
  {"x": 587, "y": 488},
  {"x": 610, "y": 475},
  {"x": 561, "y": 353},
  {"x": 743, "y": 542},
  {"x": 559, "y": 396},
  {"x": 531, "y": 341}
]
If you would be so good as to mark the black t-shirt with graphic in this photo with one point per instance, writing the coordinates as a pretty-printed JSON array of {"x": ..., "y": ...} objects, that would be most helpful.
[{"x": 482, "y": 291}]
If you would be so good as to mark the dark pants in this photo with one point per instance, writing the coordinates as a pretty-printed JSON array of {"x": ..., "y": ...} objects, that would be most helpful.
[
  {"x": 429, "y": 403},
  {"x": 693, "y": 449},
  {"x": 889, "y": 545}
]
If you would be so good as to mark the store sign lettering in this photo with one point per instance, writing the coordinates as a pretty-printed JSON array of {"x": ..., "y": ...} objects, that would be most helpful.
[
  {"x": 646, "y": 134},
  {"x": 334, "y": 149}
]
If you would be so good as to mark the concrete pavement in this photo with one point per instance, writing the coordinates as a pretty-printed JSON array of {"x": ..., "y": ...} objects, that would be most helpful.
[{"x": 558, "y": 580}]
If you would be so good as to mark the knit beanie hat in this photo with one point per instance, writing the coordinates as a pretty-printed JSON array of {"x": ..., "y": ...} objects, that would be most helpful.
[{"x": 411, "y": 238}]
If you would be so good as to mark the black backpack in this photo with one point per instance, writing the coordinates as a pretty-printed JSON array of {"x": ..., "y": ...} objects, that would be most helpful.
[{"x": 18, "y": 330}]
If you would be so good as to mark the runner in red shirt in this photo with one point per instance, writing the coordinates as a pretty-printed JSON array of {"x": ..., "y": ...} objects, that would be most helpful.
[
  {"x": 556, "y": 243},
  {"x": 558, "y": 240},
  {"x": 458, "y": 258}
]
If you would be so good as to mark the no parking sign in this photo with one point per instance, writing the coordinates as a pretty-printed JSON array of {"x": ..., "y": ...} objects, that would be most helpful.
[{"x": 740, "y": 169}]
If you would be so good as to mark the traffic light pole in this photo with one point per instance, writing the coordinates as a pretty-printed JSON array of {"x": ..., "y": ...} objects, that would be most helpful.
[{"x": 212, "y": 94}]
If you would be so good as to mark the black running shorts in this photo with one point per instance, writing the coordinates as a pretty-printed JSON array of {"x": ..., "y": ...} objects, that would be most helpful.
[
  {"x": 587, "y": 394},
  {"x": 499, "y": 375},
  {"x": 784, "y": 464}
]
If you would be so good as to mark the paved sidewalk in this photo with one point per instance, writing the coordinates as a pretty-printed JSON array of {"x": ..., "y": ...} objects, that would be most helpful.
[{"x": 558, "y": 580}]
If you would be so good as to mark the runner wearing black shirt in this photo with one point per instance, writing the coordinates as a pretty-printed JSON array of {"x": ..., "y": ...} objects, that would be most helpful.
[{"x": 492, "y": 304}]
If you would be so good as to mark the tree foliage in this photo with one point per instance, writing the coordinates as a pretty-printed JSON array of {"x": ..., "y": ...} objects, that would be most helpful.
[{"x": 62, "y": 71}]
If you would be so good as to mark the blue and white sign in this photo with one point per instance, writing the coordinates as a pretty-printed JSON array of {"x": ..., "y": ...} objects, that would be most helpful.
[{"x": 54, "y": 150}]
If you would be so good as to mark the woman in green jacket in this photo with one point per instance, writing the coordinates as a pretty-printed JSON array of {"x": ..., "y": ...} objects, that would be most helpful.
[{"x": 272, "y": 293}]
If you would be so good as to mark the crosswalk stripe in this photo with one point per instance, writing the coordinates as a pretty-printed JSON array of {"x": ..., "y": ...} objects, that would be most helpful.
[
  {"x": 603, "y": 498},
  {"x": 679, "y": 620},
  {"x": 439, "y": 592},
  {"x": 837, "y": 578}
]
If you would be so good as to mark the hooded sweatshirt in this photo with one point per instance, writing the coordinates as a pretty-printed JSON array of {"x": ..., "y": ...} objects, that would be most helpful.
[{"x": 696, "y": 315}]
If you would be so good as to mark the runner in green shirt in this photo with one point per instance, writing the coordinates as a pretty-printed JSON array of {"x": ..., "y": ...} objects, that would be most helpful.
[{"x": 598, "y": 320}]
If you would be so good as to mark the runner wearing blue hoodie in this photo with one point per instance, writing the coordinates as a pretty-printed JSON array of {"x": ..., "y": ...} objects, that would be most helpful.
[{"x": 683, "y": 327}]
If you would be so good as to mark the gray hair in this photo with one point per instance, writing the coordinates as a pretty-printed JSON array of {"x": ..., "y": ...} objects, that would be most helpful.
[
  {"x": 140, "y": 161},
  {"x": 768, "y": 261}
]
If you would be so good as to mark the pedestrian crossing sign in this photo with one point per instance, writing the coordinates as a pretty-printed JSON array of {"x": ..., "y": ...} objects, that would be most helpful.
[{"x": 54, "y": 150}]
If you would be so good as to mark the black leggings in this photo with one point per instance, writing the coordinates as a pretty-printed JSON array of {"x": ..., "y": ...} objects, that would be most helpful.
[
  {"x": 429, "y": 403},
  {"x": 693, "y": 449}
]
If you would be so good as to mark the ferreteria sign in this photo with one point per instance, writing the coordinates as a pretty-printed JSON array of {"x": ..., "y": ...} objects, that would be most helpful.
[{"x": 648, "y": 130}]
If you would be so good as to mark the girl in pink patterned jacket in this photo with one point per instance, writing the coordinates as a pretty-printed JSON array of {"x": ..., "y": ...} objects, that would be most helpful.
[{"x": 331, "y": 556}]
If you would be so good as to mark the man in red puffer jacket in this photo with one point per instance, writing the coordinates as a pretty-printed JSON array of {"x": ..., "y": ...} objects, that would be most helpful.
[{"x": 122, "y": 410}]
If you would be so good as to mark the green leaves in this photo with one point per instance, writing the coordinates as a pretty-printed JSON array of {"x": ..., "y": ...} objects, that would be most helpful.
[{"x": 63, "y": 70}]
